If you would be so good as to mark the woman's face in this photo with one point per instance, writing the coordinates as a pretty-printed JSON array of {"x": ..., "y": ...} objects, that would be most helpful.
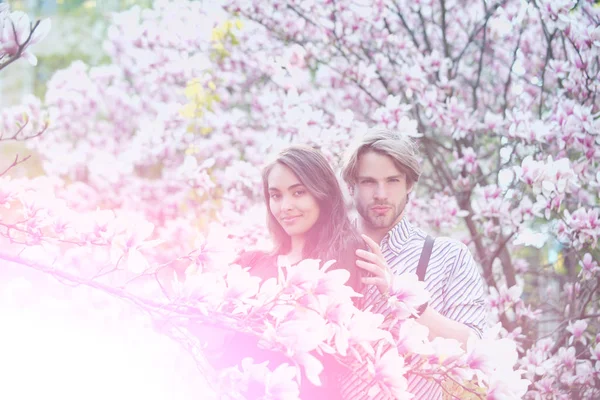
[{"x": 292, "y": 205}]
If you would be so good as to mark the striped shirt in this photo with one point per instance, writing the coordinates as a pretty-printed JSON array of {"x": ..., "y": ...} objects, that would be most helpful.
[{"x": 457, "y": 292}]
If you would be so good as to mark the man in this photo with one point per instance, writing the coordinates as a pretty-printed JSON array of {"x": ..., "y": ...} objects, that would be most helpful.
[{"x": 381, "y": 172}]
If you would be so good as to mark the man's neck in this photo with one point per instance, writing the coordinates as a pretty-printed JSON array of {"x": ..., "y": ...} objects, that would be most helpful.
[{"x": 377, "y": 234}]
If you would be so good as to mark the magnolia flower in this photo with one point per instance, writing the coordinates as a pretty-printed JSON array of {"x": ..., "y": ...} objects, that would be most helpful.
[
  {"x": 312, "y": 367},
  {"x": 567, "y": 357},
  {"x": 213, "y": 250},
  {"x": 16, "y": 32},
  {"x": 126, "y": 246},
  {"x": 305, "y": 275},
  {"x": 207, "y": 289},
  {"x": 413, "y": 339},
  {"x": 445, "y": 351},
  {"x": 387, "y": 370},
  {"x": 500, "y": 301},
  {"x": 583, "y": 226},
  {"x": 487, "y": 357},
  {"x": 577, "y": 330},
  {"x": 339, "y": 316},
  {"x": 407, "y": 293},
  {"x": 240, "y": 284},
  {"x": 545, "y": 386},
  {"x": 258, "y": 381},
  {"x": 363, "y": 330},
  {"x": 507, "y": 385},
  {"x": 557, "y": 12},
  {"x": 549, "y": 179},
  {"x": 312, "y": 325},
  {"x": 281, "y": 384}
]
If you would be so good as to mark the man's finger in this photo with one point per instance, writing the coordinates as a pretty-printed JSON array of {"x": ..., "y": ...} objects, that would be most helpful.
[
  {"x": 372, "y": 244},
  {"x": 374, "y": 281},
  {"x": 369, "y": 267},
  {"x": 367, "y": 255}
]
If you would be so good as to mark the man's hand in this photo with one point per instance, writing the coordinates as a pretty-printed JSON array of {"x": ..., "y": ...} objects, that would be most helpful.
[{"x": 374, "y": 262}]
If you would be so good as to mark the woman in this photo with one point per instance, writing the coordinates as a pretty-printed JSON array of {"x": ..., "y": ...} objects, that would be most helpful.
[{"x": 307, "y": 218}]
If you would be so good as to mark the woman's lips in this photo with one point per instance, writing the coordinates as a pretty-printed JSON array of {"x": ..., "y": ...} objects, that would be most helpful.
[{"x": 289, "y": 220}]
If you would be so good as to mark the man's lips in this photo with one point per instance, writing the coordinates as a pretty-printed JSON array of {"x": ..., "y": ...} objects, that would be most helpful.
[{"x": 380, "y": 209}]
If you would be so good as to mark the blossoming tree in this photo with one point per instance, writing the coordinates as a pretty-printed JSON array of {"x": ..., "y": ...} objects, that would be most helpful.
[{"x": 151, "y": 161}]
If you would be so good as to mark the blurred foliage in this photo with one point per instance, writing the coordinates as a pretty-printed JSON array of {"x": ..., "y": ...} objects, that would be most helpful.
[
  {"x": 78, "y": 30},
  {"x": 223, "y": 36}
]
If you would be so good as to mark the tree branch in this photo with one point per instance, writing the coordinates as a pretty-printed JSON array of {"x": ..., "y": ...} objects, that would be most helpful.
[
  {"x": 480, "y": 65},
  {"x": 21, "y": 47},
  {"x": 475, "y": 32},
  {"x": 425, "y": 36},
  {"x": 509, "y": 79},
  {"x": 15, "y": 163},
  {"x": 443, "y": 27},
  {"x": 398, "y": 12}
]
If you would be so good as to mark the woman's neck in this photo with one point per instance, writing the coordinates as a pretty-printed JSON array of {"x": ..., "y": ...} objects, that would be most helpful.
[{"x": 295, "y": 253}]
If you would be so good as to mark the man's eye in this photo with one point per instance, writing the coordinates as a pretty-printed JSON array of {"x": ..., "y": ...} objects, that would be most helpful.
[
  {"x": 394, "y": 180},
  {"x": 366, "y": 182}
]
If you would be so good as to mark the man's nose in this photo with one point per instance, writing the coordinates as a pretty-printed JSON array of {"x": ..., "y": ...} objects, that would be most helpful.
[{"x": 380, "y": 192}]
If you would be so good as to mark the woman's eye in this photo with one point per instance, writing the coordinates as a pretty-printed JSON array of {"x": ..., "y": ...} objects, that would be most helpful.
[
  {"x": 275, "y": 196},
  {"x": 366, "y": 182},
  {"x": 298, "y": 193}
]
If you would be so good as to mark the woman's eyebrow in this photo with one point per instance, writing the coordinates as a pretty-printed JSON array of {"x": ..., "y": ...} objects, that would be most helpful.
[{"x": 295, "y": 185}]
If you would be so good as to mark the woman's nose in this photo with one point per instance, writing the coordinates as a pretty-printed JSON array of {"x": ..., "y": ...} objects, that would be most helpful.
[{"x": 287, "y": 204}]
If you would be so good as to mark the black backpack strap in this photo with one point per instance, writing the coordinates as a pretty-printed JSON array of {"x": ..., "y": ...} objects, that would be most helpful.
[{"x": 425, "y": 255}]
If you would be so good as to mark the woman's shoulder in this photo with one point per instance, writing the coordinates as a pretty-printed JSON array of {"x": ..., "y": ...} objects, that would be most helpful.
[
  {"x": 260, "y": 263},
  {"x": 252, "y": 258}
]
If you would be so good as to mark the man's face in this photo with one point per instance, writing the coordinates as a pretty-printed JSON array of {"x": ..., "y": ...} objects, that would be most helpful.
[{"x": 381, "y": 191}]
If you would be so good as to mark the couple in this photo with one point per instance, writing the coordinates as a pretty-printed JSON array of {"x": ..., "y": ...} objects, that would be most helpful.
[{"x": 307, "y": 218}]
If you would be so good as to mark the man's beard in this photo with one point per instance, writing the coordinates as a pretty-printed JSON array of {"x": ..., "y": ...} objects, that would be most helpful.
[{"x": 376, "y": 221}]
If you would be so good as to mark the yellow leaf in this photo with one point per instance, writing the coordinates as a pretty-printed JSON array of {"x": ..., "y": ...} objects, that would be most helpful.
[
  {"x": 188, "y": 111},
  {"x": 193, "y": 88},
  {"x": 191, "y": 150},
  {"x": 217, "y": 34}
]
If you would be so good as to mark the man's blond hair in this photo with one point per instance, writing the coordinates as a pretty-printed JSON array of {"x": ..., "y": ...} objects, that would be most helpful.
[{"x": 402, "y": 149}]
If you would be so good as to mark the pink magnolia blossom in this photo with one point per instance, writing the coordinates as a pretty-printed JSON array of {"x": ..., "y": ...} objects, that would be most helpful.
[
  {"x": 406, "y": 294},
  {"x": 240, "y": 284},
  {"x": 126, "y": 246},
  {"x": 500, "y": 390},
  {"x": 15, "y": 32},
  {"x": 365, "y": 328},
  {"x": 388, "y": 370},
  {"x": 413, "y": 339},
  {"x": 577, "y": 330},
  {"x": 260, "y": 381}
]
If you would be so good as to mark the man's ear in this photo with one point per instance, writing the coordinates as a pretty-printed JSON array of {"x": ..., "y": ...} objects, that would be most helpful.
[
  {"x": 351, "y": 190},
  {"x": 410, "y": 187}
]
